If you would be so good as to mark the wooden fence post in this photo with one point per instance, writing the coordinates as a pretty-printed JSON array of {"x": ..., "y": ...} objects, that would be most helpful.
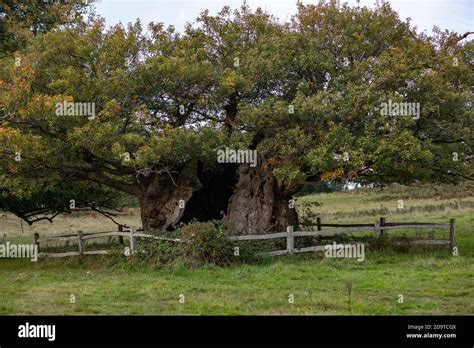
[
  {"x": 290, "y": 239},
  {"x": 120, "y": 238},
  {"x": 318, "y": 225},
  {"x": 382, "y": 223},
  {"x": 81, "y": 243},
  {"x": 452, "y": 232},
  {"x": 377, "y": 229},
  {"x": 35, "y": 240},
  {"x": 133, "y": 230}
]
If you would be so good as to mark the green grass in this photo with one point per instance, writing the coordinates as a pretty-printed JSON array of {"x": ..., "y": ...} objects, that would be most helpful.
[{"x": 431, "y": 281}]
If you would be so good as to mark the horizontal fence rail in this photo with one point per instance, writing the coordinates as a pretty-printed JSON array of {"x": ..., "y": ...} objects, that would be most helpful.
[
  {"x": 258, "y": 236},
  {"x": 377, "y": 228},
  {"x": 334, "y": 231},
  {"x": 412, "y": 226}
]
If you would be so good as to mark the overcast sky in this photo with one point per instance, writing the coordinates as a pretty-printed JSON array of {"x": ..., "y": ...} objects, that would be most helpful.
[{"x": 456, "y": 15}]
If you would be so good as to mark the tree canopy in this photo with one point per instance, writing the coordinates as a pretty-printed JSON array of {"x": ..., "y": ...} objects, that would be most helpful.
[
  {"x": 20, "y": 20},
  {"x": 306, "y": 95}
]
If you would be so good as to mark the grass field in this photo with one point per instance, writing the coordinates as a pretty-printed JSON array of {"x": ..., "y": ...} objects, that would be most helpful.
[{"x": 431, "y": 281}]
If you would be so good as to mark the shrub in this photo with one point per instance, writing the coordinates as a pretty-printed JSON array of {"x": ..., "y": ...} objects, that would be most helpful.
[
  {"x": 206, "y": 243},
  {"x": 157, "y": 251}
]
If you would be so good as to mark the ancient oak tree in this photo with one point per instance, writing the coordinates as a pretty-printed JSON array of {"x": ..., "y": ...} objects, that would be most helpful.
[{"x": 306, "y": 96}]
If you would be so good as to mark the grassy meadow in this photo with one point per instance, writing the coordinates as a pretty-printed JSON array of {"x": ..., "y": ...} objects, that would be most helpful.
[{"x": 432, "y": 281}]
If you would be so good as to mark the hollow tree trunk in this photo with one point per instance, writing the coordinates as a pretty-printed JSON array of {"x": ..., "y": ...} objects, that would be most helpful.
[
  {"x": 259, "y": 204},
  {"x": 212, "y": 200},
  {"x": 163, "y": 198},
  {"x": 253, "y": 200}
]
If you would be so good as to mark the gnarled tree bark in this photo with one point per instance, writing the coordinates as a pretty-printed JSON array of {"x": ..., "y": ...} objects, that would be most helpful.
[
  {"x": 259, "y": 203},
  {"x": 161, "y": 196}
]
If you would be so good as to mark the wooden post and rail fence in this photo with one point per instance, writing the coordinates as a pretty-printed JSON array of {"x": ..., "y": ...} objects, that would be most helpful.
[{"x": 378, "y": 229}]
